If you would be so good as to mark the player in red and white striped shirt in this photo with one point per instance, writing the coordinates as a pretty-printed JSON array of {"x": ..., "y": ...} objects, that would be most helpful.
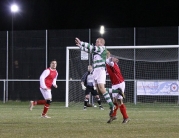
[
  {"x": 47, "y": 79},
  {"x": 117, "y": 81}
]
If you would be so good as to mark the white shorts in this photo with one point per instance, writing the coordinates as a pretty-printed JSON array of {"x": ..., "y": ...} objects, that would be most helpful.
[
  {"x": 99, "y": 75},
  {"x": 120, "y": 85},
  {"x": 46, "y": 93}
]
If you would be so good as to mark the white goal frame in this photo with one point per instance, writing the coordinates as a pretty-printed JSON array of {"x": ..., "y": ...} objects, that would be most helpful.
[{"x": 113, "y": 47}]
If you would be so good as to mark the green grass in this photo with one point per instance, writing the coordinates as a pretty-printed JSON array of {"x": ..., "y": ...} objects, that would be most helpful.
[{"x": 148, "y": 121}]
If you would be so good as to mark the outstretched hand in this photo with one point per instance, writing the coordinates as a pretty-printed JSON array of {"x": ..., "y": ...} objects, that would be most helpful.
[
  {"x": 77, "y": 41},
  {"x": 55, "y": 86}
]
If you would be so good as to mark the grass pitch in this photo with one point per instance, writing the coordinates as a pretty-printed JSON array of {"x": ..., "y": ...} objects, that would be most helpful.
[{"x": 148, "y": 121}]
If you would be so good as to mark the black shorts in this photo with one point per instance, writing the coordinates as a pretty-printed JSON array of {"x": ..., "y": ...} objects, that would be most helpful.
[{"x": 90, "y": 89}]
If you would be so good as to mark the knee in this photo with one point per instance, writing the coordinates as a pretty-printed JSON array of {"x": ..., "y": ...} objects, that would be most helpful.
[
  {"x": 120, "y": 101},
  {"x": 97, "y": 96},
  {"x": 87, "y": 97},
  {"x": 48, "y": 102}
]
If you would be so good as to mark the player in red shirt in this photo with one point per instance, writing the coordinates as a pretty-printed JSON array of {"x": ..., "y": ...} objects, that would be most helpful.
[
  {"x": 117, "y": 81},
  {"x": 47, "y": 79}
]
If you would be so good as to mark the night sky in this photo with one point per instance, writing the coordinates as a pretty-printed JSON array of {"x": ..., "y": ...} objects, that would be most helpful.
[{"x": 65, "y": 14}]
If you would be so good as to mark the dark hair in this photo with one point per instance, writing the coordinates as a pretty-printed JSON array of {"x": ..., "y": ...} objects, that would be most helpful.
[{"x": 53, "y": 60}]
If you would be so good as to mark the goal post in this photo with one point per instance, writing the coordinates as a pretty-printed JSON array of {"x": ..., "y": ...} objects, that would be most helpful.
[{"x": 151, "y": 73}]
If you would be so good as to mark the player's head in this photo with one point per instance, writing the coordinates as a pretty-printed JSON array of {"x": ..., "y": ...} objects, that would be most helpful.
[
  {"x": 90, "y": 68},
  {"x": 53, "y": 64},
  {"x": 108, "y": 54},
  {"x": 100, "y": 42}
]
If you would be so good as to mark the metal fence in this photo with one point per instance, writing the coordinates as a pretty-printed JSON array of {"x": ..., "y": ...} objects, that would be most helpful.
[{"x": 25, "y": 54}]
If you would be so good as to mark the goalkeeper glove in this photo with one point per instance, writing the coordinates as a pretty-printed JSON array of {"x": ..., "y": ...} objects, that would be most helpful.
[
  {"x": 94, "y": 88},
  {"x": 83, "y": 87}
]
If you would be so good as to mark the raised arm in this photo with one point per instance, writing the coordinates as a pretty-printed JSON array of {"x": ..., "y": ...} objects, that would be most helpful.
[
  {"x": 84, "y": 46},
  {"x": 110, "y": 62}
]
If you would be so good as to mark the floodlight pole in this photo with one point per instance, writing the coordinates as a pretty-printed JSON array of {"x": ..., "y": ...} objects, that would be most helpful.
[{"x": 14, "y": 9}]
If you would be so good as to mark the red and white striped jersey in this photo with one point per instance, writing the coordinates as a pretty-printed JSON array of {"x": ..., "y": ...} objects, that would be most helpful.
[
  {"x": 114, "y": 72},
  {"x": 48, "y": 78}
]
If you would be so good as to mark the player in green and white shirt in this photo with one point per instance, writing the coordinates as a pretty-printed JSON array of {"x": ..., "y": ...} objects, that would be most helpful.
[
  {"x": 99, "y": 64},
  {"x": 99, "y": 54}
]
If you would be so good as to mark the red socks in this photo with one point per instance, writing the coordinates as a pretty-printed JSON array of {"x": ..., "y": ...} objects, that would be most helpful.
[
  {"x": 46, "y": 107},
  {"x": 115, "y": 110},
  {"x": 40, "y": 102},
  {"x": 123, "y": 111}
]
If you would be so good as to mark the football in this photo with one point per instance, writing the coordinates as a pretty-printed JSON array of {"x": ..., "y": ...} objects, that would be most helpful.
[{"x": 89, "y": 105}]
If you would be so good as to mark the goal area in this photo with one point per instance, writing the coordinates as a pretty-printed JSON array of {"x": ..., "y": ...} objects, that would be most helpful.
[{"x": 151, "y": 74}]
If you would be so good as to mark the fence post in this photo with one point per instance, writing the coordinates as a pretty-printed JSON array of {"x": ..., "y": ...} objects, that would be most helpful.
[
  {"x": 46, "y": 49},
  {"x": 178, "y": 60},
  {"x": 135, "y": 93},
  {"x": 4, "y": 92}
]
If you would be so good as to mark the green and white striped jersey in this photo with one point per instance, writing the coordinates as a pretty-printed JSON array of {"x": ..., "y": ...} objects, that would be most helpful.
[{"x": 99, "y": 54}]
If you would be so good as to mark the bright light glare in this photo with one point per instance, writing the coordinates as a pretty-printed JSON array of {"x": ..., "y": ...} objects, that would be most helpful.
[
  {"x": 14, "y": 8},
  {"x": 101, "y": 30}
]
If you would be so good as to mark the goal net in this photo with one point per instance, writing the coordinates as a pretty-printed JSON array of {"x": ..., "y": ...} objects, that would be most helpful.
[{"x": 151, "y": 74}]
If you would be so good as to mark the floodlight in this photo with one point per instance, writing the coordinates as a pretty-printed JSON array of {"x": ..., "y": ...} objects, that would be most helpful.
[
  {"x": 101, "y": 30},
  {"x": 14, "y": 8}
]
